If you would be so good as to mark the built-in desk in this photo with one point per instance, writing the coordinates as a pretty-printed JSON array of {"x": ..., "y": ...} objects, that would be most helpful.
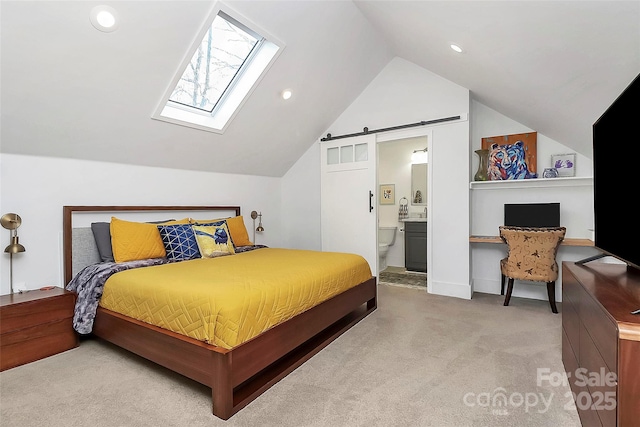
[{"x": 497, "y": 239}]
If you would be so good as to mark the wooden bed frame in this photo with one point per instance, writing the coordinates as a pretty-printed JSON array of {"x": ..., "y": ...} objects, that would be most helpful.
[{"x": 239, "y": 375}]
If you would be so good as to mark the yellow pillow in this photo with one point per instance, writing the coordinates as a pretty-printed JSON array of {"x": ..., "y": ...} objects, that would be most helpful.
[
  {"x": 213, "y": 240},
  {"x": 137, "y": 240},
  {"x": 237, "y": 229}
]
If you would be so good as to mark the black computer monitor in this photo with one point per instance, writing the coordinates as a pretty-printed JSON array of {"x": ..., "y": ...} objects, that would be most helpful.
[{"x": 532, "y": 214}]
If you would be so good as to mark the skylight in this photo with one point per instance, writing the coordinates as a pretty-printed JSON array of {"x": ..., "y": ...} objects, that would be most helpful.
[{"x": 218, "y": 74}]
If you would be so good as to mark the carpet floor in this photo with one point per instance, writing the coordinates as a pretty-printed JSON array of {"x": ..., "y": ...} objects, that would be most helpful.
[{"x": 418, "y": 360}]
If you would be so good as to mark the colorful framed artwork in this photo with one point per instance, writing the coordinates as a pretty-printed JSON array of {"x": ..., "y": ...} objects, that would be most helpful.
[
  {"x": 512, "y": 156},
  {"x": 564, "y": 163},
  {"x": 387, "y": 194}
]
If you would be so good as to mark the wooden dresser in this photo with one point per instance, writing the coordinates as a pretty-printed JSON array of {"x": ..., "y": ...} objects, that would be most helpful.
[
  {"x": 34, "y": 325},
  {"x": 601, "y": 342}
]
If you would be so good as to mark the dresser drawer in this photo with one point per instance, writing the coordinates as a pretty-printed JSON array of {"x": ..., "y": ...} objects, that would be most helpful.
[
  {"x": 571, "y": 325},
  {"x": 34, "y": 325},
  {"x": 569, "y": 358},
  {"x": 601, "y": 329},
  {"x": 35, "y": 312},
  {"x": 600, "y": 382},
  {"x": 31, "y": 344},
  {"x": 570, "y": 289}
]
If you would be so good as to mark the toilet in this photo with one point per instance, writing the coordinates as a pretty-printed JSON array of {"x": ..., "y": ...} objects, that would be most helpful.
[{"x": 386, "y": 238}]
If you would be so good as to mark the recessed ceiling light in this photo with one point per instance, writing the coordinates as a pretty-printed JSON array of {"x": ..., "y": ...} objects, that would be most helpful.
[
  {"x": 104, "y": 18},
  {"x": 286, "y": 94},
  {"x": 456, "y": 48}
]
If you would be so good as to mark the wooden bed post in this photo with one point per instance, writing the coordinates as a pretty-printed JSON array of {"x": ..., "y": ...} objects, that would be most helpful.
[{"x": 222, "y": 385}]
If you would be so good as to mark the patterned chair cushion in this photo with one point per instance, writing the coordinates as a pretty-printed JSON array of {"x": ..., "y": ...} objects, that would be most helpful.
[{"x": 532, "y": 252}]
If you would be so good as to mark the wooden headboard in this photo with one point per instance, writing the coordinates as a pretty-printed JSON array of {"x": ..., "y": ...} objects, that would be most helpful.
[{"x": 68, "y": 214}]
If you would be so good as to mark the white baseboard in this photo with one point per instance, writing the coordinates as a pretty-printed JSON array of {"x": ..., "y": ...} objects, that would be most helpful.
[{"x": 451, "y": 290}]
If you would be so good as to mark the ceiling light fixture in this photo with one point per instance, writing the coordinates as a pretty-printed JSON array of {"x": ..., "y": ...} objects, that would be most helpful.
[
  {"x": 286, "y": 94},
  {"x": 456, "y": 48},
  {"x": 104, "y": 18}
]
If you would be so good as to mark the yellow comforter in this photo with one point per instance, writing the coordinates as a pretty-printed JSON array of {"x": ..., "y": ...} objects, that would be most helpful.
[{"x": 228, "y": 300}]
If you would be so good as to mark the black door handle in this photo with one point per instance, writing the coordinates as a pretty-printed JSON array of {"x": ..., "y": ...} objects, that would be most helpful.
[{"x": 370, "y": 201}]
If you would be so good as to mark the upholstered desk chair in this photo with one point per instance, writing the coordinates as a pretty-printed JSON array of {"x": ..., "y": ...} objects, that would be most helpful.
[{"x": 531, "y": 256}]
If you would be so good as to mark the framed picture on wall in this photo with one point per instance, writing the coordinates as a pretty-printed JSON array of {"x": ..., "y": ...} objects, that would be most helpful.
[
  {"x": 564, "y": 163},
  {"x": 387, "y": 194},
  {"x": 519, "y": 148}
]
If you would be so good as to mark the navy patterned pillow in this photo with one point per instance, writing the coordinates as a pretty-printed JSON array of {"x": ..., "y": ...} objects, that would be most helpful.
[{"x": 179, "y": 242}]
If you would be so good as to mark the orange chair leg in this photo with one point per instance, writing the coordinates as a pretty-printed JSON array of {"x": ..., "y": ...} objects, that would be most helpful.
[
  {"x": 509, "y": 290},
  {"x": 551, "y": 290},
  {"x": 502, "y": 284}
]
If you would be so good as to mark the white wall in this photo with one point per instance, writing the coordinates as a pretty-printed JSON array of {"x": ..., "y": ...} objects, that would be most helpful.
[
  {"x": 487, "y": 203},
  {"x": 301, "y": 202},
  {"x": 405, "y": 93},
  {"x": 38, "y": 187}
]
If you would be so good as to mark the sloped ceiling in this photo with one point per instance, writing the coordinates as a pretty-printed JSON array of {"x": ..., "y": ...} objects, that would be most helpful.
[
  {"x": 71, "y": 91},
  {"x": 554, "y": 66}
]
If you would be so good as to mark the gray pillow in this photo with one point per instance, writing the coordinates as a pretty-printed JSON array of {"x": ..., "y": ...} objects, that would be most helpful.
[{"x": 102, "y": 236}]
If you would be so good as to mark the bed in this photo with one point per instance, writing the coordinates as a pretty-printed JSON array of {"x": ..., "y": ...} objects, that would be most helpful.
[{"x": 240, "y": 368}]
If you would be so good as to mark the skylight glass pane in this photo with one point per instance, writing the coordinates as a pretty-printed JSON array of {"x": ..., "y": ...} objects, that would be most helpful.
[
  {"x": 223, "y": 68},
  {"x": 224, "y": 49}
]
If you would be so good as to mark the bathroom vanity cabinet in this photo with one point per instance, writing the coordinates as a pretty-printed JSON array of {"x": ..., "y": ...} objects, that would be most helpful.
[{"x": 415, "y": 246}]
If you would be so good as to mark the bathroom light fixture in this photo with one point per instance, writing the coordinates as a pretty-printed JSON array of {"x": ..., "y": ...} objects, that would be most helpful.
[
  {"x": 419, "y": 156},
  {"x": 11, "y": 222},
  {"x": 104, "y": 18},
  {"x": 286, "y": 94},
  {"x": 456, "y": 48}
]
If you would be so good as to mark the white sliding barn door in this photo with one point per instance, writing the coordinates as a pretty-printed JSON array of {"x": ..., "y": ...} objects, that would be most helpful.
[{"x": 349, "y": 199}]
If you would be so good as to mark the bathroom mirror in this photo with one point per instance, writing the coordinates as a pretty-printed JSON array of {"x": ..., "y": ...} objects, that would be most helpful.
[{"x": 419, "y": 184}]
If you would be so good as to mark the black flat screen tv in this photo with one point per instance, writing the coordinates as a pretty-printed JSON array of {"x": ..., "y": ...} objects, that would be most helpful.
[
  {"x": 616, "y": 178},
  {"x": 532, "y": 214}
]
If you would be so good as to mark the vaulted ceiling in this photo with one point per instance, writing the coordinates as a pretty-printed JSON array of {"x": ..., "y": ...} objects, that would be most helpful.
[{"x": 68, "y": 90}]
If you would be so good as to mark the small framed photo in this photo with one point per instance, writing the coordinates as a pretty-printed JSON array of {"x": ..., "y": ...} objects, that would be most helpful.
[
  {"x": 387, "y": 194},
  {"x": 564, "y": 163}
]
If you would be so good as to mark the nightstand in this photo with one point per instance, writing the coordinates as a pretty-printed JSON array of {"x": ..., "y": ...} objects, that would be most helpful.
[{"x": 34, "y": 325}]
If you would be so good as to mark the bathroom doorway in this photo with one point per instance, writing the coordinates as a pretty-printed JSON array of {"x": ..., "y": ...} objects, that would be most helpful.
[{"x": 409, "y": 181}]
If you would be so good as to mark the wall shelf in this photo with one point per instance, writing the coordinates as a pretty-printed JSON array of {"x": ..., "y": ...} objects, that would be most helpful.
[{"x": 580, "y": 181}]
